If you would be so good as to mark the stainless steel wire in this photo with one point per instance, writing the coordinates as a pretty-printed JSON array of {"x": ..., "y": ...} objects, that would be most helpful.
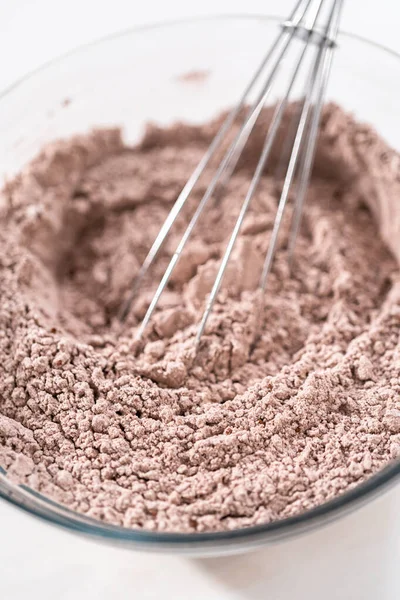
[
  {"x": 296, "y": 17},
  {"x": 315, "y": 83},
  {"x": 303, "y": 23}
]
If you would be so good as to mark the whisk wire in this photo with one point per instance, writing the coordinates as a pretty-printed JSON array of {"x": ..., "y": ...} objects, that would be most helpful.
[
  {"x": 239, "y": 141},
  {"x": 307, "y": 107},
  {"x": 270, "y": 139},
  {"x": 304, "y": 24},
  {"x": 295, "y": 17},
  {"x": 308, "y": 156}
]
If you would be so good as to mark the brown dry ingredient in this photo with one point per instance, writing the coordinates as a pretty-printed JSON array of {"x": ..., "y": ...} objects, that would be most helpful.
[
  {"x": 150, "y": 436},
  {"x": 193, "y": 77}
]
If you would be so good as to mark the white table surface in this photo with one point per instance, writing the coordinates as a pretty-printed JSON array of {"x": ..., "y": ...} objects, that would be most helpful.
[{"x": 353, "y": 559}]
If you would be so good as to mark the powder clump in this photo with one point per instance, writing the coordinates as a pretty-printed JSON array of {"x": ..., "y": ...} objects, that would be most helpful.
[{"x": 151, "y": 435}]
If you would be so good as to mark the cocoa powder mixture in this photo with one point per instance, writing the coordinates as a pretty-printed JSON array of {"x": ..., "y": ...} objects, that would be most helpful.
[{"x": 150, "y": 435}]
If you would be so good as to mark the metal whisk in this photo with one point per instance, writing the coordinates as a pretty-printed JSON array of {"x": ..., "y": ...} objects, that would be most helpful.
[{"x": 316, "y": 23}]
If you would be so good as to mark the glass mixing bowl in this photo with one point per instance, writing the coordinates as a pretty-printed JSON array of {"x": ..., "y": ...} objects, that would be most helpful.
[{"x": 135, "y": 77}]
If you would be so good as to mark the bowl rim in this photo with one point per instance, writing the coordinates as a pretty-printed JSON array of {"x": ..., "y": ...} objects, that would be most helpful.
[
  {"x": 50, "y": 511},
  {"x": 154, "y": 25}
]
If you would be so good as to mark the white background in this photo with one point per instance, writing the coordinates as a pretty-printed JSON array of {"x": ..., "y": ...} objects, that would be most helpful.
[{"x": 354, "y": 559}]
